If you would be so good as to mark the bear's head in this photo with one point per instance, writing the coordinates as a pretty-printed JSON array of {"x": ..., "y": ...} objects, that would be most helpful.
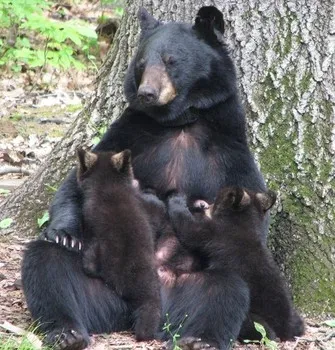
[
  {"x": 241, "y": 206},
  {"x": 104, "y": 168},
  {"x": 179, "y": 68}
]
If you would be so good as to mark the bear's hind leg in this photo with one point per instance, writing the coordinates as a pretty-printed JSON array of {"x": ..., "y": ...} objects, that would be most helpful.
[{"x": 68, "y": 304}]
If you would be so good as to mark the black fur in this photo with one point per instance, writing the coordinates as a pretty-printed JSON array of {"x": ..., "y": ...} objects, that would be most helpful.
[
  {"x": 196, "y": 144},
  {"x": 118, "y": 239},
  {"x": 229, "y": 239}
]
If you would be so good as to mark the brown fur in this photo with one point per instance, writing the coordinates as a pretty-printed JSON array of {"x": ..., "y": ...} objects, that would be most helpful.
[
  {"x": 119, "y": 245},
  {"x": 228, "y": 236}
]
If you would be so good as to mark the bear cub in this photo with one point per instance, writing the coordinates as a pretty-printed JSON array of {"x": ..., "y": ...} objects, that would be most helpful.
[
  {"x": 228, "y": 234},
  {"x": 118, "y": 236}
]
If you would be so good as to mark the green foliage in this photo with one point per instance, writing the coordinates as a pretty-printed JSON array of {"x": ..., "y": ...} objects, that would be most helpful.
[
  {"x": 100, "y": 132},
  {"x": 330, "y": 323},
  {"x": 117, "y": 5},
  {"x": 44, "y": 219},
  {"x": 5, "y": 223},
  {"x": 3, "y": 191},
  {"x": 24, "y": 342},
  {"x": 265, "y": 341},
  {"x": 51, "y": 189},
  {"x": 35, "y": 40},
  {"x": 14, "y": 344},
  {"x": 174, "y": 334}
]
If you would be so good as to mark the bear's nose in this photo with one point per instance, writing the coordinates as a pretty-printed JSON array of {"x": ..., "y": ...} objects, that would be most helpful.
[{"x": 147, "y": 94}]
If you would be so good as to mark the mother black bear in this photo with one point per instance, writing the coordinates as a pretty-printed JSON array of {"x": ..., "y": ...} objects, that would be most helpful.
[{"x": 186, "y": 129}]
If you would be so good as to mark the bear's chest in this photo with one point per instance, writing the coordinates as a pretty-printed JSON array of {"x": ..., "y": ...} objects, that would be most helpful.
[{"x": 186, "y": 160}]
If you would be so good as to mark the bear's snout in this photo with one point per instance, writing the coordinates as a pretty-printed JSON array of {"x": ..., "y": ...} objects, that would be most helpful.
[{"x": 156, "y": 87}]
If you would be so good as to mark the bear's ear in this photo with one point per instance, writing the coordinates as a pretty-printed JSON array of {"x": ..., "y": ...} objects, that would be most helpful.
[
  {"x": 147, "y": 22},
  {"x": 86, "y": 160},
  {"x": 122, "y": 162},
  {"x": 209, "y": 22},
  {"x": 267, "y": 199}
]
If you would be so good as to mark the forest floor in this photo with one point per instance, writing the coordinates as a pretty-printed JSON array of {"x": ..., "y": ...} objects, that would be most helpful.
[{"x": 31, "y": 123}]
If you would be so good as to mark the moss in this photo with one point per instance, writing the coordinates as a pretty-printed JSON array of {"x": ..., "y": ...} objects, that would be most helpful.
[
  {"x": 313, "y": 284},
  {"x": 305, "y": 81},
  {"x": 307, "y": 257}
]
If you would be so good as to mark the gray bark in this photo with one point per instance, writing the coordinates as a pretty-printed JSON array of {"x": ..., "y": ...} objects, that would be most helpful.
[{"x": 284, "y": 55}]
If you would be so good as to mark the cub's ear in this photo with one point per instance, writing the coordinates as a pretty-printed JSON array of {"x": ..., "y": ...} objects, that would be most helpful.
[
  {"x": 231, "y": 198},
  {"x": 147, "y": 22},
  {"x": 267, "y": 199},
  {"x": 122, "y": 162},
  {"x": 86, "y": 160},
  {"x": 239, "y": 198},
  {"x": 209, "y": 23}
]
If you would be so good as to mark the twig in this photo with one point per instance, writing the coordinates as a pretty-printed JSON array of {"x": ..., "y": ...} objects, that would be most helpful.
[{"x": 8, "y": 169}]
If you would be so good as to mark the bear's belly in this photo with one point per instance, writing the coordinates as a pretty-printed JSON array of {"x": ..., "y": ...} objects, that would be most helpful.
[{"x": 180, "y": 163}]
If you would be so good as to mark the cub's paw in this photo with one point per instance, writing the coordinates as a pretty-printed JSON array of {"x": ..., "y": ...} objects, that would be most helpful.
[
  {"x": 61, "y": 237},
  {"x": 176, "y": 200},
  {"x": 67, "y": 339},
  {"x": 200, "y": 204},
  {"x": 193, "y": 343}
]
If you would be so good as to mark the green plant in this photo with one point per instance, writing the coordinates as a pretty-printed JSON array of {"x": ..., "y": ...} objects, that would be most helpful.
[
  {"x": 4, "y": 192},
  {"x": 100, "y": 132},
  {"x": 265, "y": 341},
  {"x": 174, "y": 334},
  {"x": 51, "y": 189},
  {"x": 44, "y": 219},
  {"x": 330, "y": 323},
  {"x": 35, "y": 40},
  {"x": 117, "y": 5},
  {"x": 5, "y": 223}
]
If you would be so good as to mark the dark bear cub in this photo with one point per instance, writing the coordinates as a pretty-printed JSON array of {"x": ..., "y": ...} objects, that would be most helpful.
[
  {"x": 229, "y": 235},
  {"x": 118, "y": 238}
]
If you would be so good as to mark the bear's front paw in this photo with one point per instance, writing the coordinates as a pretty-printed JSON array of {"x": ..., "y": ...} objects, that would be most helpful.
[
  {"x": 62, "y": 238},
  {"x": 67, "y": 339}
]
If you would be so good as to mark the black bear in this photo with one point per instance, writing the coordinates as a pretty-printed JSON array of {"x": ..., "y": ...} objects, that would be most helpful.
[
  {"x": 228, "y": 235},
  {"x": 186, "y": 129},
  {"x": 118, "y": 238}
]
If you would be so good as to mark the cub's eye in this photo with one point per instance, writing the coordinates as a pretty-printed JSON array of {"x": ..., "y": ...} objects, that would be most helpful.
[{"x": 169, "y": 60}]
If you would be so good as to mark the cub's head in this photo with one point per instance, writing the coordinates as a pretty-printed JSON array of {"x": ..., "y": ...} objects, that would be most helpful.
[
  {"x": 179, "y": 66},
  {"x": 239, "y": 203},
  {"x": 105, "y": 167}
]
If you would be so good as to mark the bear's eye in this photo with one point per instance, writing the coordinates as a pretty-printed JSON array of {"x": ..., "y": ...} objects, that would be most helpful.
[{"x": 169, "y": 60}]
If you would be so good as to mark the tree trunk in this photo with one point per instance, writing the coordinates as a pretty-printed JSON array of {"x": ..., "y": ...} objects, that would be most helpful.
[{"x": 284, "y": 55}]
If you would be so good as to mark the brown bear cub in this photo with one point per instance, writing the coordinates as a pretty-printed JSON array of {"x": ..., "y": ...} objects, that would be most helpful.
[
  {"x": 228, "y": 235},
  {"x": 118, "y": 237}
]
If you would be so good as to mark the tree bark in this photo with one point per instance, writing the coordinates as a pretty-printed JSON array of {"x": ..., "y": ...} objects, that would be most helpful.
[{"x": 284, "y": 53}]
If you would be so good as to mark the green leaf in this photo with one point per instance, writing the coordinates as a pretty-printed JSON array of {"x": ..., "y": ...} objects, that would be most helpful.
[
  {"x": 330, "y": 323},
  {"x": 5, "y": 223},
  {"x": 45, "y": 218},
  {"x": 260, "y": 329},
  {"x": 270, "y": 344},
  {"x": 87, "y": 32},
  {"x": 4, "y": 191},
  {"x": 96, "y": 140},
  {"x": 50, "y": 188}
]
